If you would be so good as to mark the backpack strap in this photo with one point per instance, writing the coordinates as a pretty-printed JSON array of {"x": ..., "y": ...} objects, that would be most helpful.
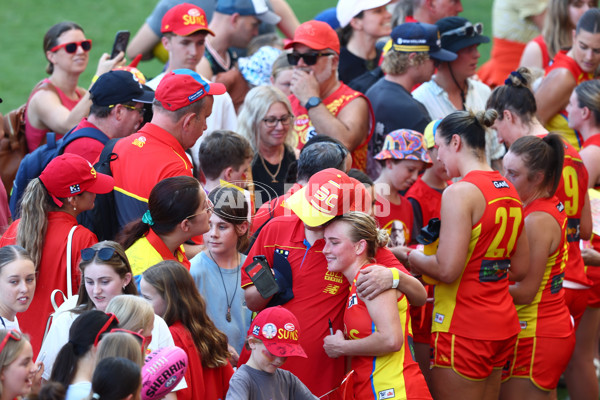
[{"x": 87, "y": 132}]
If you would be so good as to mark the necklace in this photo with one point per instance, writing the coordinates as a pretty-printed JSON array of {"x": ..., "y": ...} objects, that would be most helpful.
[
  {"x": 237, "y": 276},
  {"x": 273, "y": 176}
]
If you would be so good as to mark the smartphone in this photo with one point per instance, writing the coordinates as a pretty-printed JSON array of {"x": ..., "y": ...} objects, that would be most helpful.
[
  {"x": 261, "y": 275},
  {"x": 120, "y": 44}
]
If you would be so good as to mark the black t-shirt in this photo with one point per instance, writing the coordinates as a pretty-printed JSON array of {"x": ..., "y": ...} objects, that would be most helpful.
[
  {"x": 352, "y": 66},
  {"x": 261, "y": 178}
]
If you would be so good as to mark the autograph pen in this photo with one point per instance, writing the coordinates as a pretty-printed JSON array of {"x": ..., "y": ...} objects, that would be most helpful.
[{"x": 330, "y": 326}]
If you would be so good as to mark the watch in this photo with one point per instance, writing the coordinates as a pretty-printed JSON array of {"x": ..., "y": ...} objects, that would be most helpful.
[{"x": 312, "y": 102}]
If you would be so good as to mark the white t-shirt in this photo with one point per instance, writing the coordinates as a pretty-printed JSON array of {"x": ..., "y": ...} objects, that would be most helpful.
[{"x": 7, "y": 324}]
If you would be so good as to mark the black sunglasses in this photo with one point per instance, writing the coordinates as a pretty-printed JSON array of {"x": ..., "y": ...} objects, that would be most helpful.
[
  {"x": 104, "y": 254},
  {"x": 309, "y": 58},
  {"x": 71, "y": 47}
]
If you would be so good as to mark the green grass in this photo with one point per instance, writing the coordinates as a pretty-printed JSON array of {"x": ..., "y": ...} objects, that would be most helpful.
[{"x": 24, "y": 23}]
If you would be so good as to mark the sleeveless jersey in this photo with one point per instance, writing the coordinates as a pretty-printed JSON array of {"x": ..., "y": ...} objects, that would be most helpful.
[
  {"x": 547, "y": 315},
  {"x": 478, "y": 305},
  {"x": 593, "y": 273},
  {"x": 544, "y": 49},
  {"x": 390, "y": 376},
  {"x": 339, "y": 99},
  {"x": 560, "y": 122},
  {"x": 571, "y": 191}
]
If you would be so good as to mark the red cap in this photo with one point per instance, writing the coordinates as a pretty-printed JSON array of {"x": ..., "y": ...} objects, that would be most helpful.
[
  {"x": 182, "y": 87},
  {"x": 279, "y": 331},
  {"x": 328, "y": 193},
  {"x": 70, "y": 174},
  {"x": 317, "y": 35},
  {"x": 185, "y": 19}
]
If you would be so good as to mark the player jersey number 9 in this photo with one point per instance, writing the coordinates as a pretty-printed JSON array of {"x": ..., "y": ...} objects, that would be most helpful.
[
  {"x": 571, "y": 188},
  {"x": 506, "y": 218}
]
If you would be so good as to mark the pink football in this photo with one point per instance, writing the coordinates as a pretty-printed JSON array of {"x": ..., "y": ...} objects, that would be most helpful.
[{"x": 163, "y": 370}]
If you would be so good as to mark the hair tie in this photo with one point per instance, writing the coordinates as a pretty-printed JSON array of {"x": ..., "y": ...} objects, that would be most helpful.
[
  {"x": 96, "y": 396},
  {"x": 516, "y": 74},
  {"x": 147, "y": 218}
]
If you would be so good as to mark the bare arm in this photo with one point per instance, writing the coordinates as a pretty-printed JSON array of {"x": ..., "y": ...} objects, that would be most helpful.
[
  {"x": 351, "y": 126},
  {"x": 376, "y": 279},
  {"x": 289, "y": 22},
  {"x": 519, "y": 262},
  {"x": 387, "y": 338},
  {"x": 542, "y": 228},
  {"x": 254, "y": 300},
  {"x": 553, "y": 94},
  {"x": 591, "y": 257},
  {"x": 586, "y": 223},
  {"x": 532, "y": 56},
  {"x": 143, "y": 43}
]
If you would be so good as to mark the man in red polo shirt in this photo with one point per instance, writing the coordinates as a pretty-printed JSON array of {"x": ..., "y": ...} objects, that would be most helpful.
[
  {"x": 183, "y": 101},
  {"x": 312, "y": 293}
]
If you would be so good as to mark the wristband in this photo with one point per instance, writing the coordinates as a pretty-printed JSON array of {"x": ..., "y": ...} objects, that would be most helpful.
[{"x": 395, "y": 277}]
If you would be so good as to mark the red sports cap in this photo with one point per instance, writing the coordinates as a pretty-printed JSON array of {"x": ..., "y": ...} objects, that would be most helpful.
[
  {"x": 317, "y": 35},
  {"x": 279, "y": 331},
  {"x": 182, "y": 87},
  {"x": 70, "y": 174},
  {"x": 185, "y": 19}
]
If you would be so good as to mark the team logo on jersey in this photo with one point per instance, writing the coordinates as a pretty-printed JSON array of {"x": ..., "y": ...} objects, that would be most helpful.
[
  {"x": 336, "y": 277},
  {"x": 523, "y": 325},
  {"x": 557, "y": 283},
  {"x": 139, "y": 141},
  {"x": 500, "y": 184},
  {"x": 493, "y": 270},
  {"x": 386, "y": 394},
  {"x": 439, "y": 318},
  {"x": 353, "y": 300},
  {"x": 283, "y": 252}
]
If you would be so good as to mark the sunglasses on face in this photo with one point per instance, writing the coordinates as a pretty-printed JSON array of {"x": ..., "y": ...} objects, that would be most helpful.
[
  {"x": 12, "y": 334},
  {"x": 112, "y": 317},
  {"x": 132, "y": 108},
  {"x": 468, "y": 29},
  {"x": 71, "y": 47},
  {"x": 105, "y": 254},
  {"x": 144, "y": 340},
  {"x": 309, "y": 58}
]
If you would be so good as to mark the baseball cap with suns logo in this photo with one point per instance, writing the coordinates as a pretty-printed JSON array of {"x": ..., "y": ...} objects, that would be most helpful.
[
  {"x": 279, "y": 331},
  {"x": 70, "y": 174},
  {"x": 328, "y": 193},
  {"x": 184, "y": 19}
]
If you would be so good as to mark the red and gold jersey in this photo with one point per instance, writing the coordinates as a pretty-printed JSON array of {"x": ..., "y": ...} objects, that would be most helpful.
[
  {"x": 429, "y": 199},
  {"x": 547, "y": 315},
  {"x": 390, "y": 376},
  {"x": 397, "y": 219},
  {"x": 339, "y": 99},
  {"x": 478, "y": 305}
]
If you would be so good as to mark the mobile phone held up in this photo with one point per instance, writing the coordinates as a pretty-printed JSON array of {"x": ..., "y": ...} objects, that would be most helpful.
[{"x": 120, "y": 44}]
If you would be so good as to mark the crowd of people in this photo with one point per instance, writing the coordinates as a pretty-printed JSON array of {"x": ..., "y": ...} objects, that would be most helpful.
[{"x": 352, "y": 212}]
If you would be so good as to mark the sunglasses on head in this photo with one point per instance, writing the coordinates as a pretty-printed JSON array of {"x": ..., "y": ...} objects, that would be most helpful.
[
  {"x": 144, "y": 340},
  {"x": 111, "y": 317},
  {"x": 12, "y": 334},
  {"x": 104, "y": 254},
  {"x": 468, "y": 29},
  {"x": 71, "y": 47},
  {"x": 309, "y": 58}
]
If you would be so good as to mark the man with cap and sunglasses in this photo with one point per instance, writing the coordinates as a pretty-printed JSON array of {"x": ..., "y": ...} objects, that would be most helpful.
[
  {"x": 320, "y": 101},
  {"x": 452, "y": 87},
  {"x": 235, "y": 23},
  {"x": 117, "y": 111},
  {"x": 416, "y": 48},
  {"x": 185, "y": 31},
  {"x": 313, "y": 294},
  {"x": 183, "y": 101}
]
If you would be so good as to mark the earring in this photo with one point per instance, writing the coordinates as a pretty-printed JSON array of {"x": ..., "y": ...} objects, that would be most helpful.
[
  {"x": 74, "y": 208},
  {"x": 124, "y": 287}
]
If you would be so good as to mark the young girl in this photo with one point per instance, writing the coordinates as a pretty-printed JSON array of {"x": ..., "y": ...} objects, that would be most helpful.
[
  {"x": 378, "y": 330},
  {"x": 17, "y": 370},
  {"x": 480, "y": 237},
  {"x": 543, "y": 349},
  {"x": 403, "y": 157},
  {"x": 17, "y": 284},
  {"x": 171, "y": 290},
  {"x": 126, "y": 387},
  {"x": 216, "y": 270}
]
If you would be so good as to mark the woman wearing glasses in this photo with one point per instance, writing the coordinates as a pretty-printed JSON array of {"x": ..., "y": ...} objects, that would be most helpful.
[
  {"x": 266, "y": 121},
  {"x": 48, "y": 228},
  {"x": 178, "y": 210},
  {"x": 57, "y": 103},
  {"x": 17, "y": 370},
  {"x": 17, "y": 284}
]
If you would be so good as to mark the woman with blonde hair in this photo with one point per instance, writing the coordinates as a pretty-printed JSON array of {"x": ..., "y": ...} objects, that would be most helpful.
[
  {"x": 136, "y": 315},
  {"x": 266, "y": 120},
  {"x": 475, "y": 324},
  {"x": 17, "y": 370},
  {"x": 17, "y": 284},
  {"x": 170, "y": 288},
  {"x": 379, "y": 334},
  {"x": 120, "y": 343}
]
